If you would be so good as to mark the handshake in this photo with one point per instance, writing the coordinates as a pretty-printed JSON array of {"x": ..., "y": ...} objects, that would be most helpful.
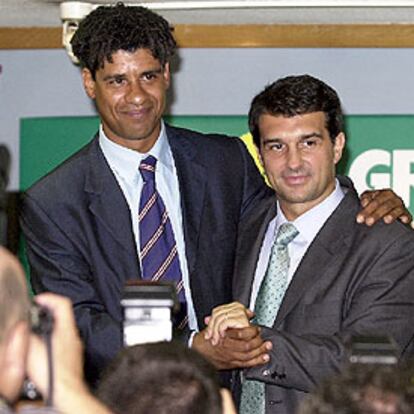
[{"x": 231, "y": 340}]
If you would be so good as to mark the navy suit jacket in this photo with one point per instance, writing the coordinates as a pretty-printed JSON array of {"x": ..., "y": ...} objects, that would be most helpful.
[
  {"x": 353, "y": 280},
  {"x": 80, "y": 242}
]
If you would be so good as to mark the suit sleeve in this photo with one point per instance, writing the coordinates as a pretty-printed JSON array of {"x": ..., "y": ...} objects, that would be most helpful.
[
  {"x": 381, "y": 303},
  {"x": 57, "y": 264}
]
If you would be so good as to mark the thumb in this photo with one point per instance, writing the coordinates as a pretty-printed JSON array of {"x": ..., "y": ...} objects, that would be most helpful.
[{"x": 37, "y": 363}]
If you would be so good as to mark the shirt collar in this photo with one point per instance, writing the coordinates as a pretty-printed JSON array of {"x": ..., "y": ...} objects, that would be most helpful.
[
  {"x": 126, "y": 161},
  {"x": 309, "y": 223}
]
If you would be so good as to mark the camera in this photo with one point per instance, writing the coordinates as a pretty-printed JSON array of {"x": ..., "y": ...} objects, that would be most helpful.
[
  {"x": 41, "y": 320},
  {"x": 147, "y": 312},
  {"x": 41, "y": 323}
]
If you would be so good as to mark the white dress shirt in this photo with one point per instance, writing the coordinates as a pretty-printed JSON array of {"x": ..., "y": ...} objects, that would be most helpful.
[
  {"x": 124, "y": 163},
  {"x": 308, "y": 225}
]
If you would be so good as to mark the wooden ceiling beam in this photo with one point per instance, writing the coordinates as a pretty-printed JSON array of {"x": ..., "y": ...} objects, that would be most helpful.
[{"x": 244, "y": 36}]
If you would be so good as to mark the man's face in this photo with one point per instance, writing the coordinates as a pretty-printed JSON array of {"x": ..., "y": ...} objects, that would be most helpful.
[
  {"x": 130, "y": 95},
  {"x": 299, "y": 158}
]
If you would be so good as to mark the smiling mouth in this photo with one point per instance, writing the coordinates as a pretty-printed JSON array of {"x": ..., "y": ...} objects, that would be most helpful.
[
  {"x": 296, "y": 179},
  {"x": 136, "y": 113}
]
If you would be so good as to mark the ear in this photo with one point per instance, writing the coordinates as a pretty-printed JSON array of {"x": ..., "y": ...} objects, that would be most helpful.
[
  {"x": 14, "y": 360},
  {"x": 339, "y": 146},
  {"x": 166, "y": 75},
  {"x": 89, "y": 83}
]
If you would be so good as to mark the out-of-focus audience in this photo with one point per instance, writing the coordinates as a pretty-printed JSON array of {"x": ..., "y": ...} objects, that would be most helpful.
[
  {"x": 23, "y": 353},
  {"x": 364, "y": 389},
  {"x": 161, "y": 378},
  {"x": 155, "y": 378}
]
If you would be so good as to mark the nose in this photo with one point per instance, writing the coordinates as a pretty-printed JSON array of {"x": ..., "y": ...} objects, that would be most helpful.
[
  {"x": 136, "y": 93},
  {"x": 294, "y": 159}
]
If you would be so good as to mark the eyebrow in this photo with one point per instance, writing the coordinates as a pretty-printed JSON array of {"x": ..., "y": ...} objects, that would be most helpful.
[
  {"x": 114, "y": 76},
  {"x": 123, "y": 75},
  {"x": 301, "y": 138},
  {"x": 158, "y": 70},
  {"x": 311, "y": 135}
]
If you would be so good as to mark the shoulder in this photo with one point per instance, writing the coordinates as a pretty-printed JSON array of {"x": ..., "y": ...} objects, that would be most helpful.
[
  {"x": 377, "y": 238},
  {"x": 203, "y": 140},
  {"x": 228, "y": 151},
  {"x": 381, "y": 236},
  {"x": 68, "y": 174},
  {"x": 386, "y": 235},
  {"x": 64, "y": 184}
]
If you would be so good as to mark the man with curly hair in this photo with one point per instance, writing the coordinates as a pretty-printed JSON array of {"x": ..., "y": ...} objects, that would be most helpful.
[
  {"x": 82, "y": 220},
  {"x": 87, "y": 222}
]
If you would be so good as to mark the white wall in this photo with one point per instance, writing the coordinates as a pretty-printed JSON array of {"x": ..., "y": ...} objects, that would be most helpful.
[{"x": 36, "y": 83}]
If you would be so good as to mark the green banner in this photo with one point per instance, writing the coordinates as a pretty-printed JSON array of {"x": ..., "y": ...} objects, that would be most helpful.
[{"x": 380, "y": 151}]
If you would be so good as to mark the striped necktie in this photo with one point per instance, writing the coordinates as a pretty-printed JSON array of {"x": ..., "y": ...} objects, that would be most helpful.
[
  {"x": 269, "y": 299},
  {"x": 158, "y": 249}
]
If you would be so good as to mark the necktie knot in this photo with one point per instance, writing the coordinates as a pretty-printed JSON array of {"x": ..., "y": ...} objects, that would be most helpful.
[
  {"x": 147, "y": 168},
  {"x": 286, "y": 233}
]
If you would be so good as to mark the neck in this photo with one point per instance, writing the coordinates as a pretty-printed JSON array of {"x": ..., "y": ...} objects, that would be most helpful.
[{"x": 293, "y": 210}]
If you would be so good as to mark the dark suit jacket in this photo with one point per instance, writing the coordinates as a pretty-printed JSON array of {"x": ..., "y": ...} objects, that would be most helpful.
[
  {"x": 80, "y": 242},
  {"x": 352, "y": 280}
]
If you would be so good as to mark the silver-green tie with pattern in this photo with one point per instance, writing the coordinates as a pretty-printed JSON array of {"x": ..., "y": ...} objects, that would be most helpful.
[{"x": 268, "y": 301}]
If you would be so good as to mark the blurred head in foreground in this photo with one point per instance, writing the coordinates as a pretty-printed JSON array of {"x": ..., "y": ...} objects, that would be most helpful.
[
  {"x": 365, "y": 389},
  {"x": 159, "y": 378}
]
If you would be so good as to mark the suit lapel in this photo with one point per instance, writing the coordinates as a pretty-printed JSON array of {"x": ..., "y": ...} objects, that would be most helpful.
[
  {"x": 249, "y": 245},
  {"x": 321, "y": 253},
  {"x": 192, "y": 181},
  {"x": 107, "y": 202}
]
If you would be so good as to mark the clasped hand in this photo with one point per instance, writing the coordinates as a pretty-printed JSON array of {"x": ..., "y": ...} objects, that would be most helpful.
[{"x": 230, "y": 340}]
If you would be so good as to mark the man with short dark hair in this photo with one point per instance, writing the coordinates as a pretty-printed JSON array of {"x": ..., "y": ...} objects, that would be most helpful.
[
  {"x": 161, "y": 378},
  {"x": 308, "y": 272},
  {"x": 143, "y": 200}
]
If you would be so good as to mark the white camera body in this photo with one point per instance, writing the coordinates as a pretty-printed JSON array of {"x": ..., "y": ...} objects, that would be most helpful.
[{"x": 147, "y": 309}]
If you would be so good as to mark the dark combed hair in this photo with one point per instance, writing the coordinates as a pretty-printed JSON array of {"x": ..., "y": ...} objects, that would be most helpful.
[
  {"x": 297, "y": 95},
  {"x": 160, "y": 378},
  {"x": 109, "y": 29}
]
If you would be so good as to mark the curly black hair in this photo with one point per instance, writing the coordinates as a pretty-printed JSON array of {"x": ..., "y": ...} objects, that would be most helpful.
[
  {"x": 297, "y": 95},
  {"x": 108, "y": 29}
]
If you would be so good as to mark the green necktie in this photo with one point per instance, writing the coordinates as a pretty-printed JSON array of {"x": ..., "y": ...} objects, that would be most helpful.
[{"x": 268, "y": 301}]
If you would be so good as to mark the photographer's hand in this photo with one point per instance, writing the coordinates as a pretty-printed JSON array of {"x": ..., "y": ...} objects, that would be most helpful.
[{"x": 70, "y": 391}]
